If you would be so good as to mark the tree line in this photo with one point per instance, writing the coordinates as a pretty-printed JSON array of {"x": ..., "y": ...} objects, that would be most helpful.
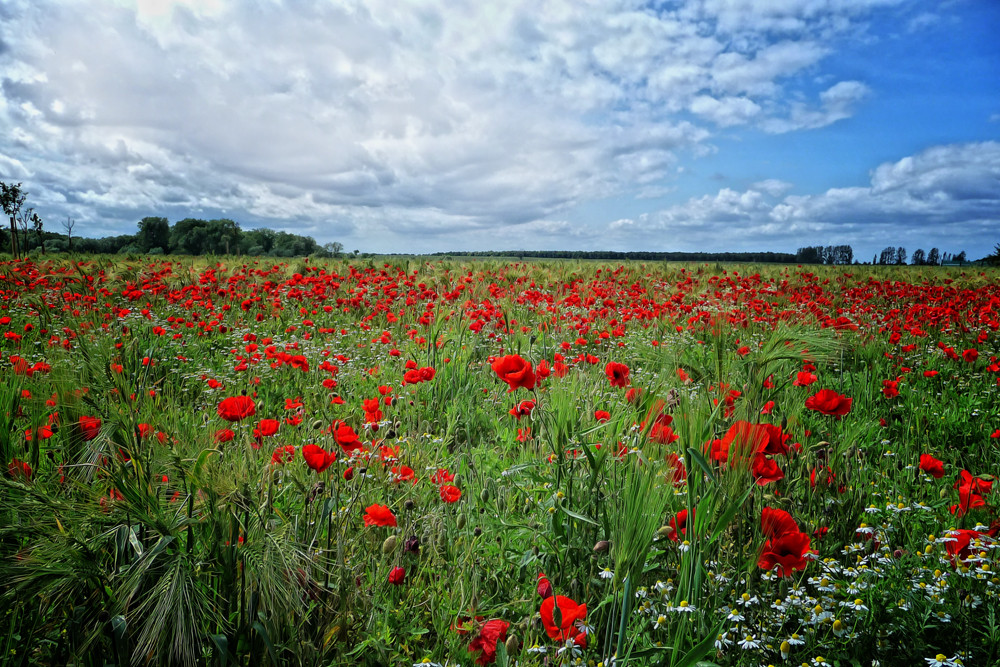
[
  {"x": 897, "y": 256},
  {"x": 155, "y": 236}
]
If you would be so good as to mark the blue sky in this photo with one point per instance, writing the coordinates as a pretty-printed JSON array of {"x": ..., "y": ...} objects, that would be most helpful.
[{"x": 718, "y": 125}]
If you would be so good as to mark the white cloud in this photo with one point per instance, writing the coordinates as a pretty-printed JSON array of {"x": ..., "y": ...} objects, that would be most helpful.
[
  {"x": 947, "y": 196},
  {"x": 435, "y": 118}
]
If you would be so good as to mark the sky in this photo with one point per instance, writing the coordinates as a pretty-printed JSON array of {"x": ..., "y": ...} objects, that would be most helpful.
[{"x": 406, "y": 126}]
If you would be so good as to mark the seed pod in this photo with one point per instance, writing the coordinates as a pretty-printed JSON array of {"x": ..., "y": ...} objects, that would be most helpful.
[
  {"x": 665, "y": 531},
  {"x": 461, "y": 521},
  {"x": 484, "y": 495},
  {"x": 317, "y": 425},
  {"x": 512, "y": 645},
  {"x": 389, "y": 545},
  {"x": 604, "y": 545}
]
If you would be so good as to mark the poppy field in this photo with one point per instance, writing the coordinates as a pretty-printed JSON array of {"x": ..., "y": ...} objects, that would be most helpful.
[{"x": 413, "y": 462}]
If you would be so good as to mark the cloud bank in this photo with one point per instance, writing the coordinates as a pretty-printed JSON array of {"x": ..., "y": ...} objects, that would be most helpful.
[{"x": 424, "y": 125}]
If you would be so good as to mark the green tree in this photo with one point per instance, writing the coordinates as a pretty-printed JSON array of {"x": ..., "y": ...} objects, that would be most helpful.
[
  {"x": 153, "y": 233},
  {"x": 12, "y": 199}
]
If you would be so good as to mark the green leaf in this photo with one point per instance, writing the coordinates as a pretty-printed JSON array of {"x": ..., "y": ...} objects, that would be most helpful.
[
  {"x": 695, "y": 655},
  {"x": 221, "y": 643},
  {"x": 699, "y": 458},
  {"x": 259, "y": 628},
  {"x": 577, "y": 515},
  {"x": 728, "y": 515}
]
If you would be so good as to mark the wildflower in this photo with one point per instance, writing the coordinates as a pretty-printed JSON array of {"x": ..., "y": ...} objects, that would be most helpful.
[
  {"x": 485, "y": 643},
  {"x": 569, "y": 610},
  {"x": 396, "y": 576},
  {"x": 379, "y": 515},
  {"x": 515, "y": 371},
  {"x": 829, "y": 402},
  {"x": 317, "y": 458},
  {"x": 932, "y": 466},
  {"x": 617, "y": 374},
  {"x": 606, "y": 573},
  {"x": 748, "y": 642},
  {"x": 236, "y": 408}
]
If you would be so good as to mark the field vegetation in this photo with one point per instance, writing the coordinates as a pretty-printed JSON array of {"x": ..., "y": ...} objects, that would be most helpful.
[{"x": 331, "y": 462}]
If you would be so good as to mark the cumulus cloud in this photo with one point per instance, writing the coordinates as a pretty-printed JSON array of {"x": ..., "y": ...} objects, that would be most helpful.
[
  {"x": 383, "y": 121},
  {"x": 948, "y": 196}
]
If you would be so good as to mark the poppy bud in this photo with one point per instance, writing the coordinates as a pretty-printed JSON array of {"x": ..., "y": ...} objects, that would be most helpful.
[
  {"x": 604, "y": 545},
  {"x": 317, "y": 425},
  {"x": 484, "y": 495},
  {"x": 409, "y": 504},
  {"x": 412, "y": 545},
  {"x": 512, "y": 645},
  {"x": 461, "y": 521},
  {"x": 389, "y": 545},
  {"x": 663, "y": 531},
  {"x": 478, "y": 531}
]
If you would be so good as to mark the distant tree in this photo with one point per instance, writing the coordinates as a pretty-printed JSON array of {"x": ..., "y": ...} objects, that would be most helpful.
[
  {"x": 934, "y": 257},
  {"x": 36, "y": 224},
  {"x": 994, "y": 259},
  {"x": 888, "y": 256},
  {"x": 193, "y": 236},
  {"x": 843, "y": 254},
  {"x": 334, "y": 248},
  {"x": 960, "y": 257},
  {"x": 12, "y": 199},
  {"x": 900, "y": 255},
  {"x": 153, "y": 233},
  {"x": 810, "y": 255},
  {"x": 257, "y": 242},
  {"x": 919, "y": 258},
  {"x": 68, "y": 226}
]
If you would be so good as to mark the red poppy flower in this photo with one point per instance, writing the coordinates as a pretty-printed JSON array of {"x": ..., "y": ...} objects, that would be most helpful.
[
  {"x": 19, "y": 469},
  {"x": 970, "y": 355},
  {"x": 236, "y": 408},
  {"x": 775, "y": 523},
  {"x": 379, "y": 515},
  {"x": 283, "y": 454},
  {"x": 960, "y": 545},
  {"x": 224, "y": 435},
  {"x": 543, "y": 588},
  {"x": 970, "y": 493},
  {"x": 442, "y": 476},
  {"x": 829, "y": 402},
  {"x": 742, "y": 441},
  {"x": 571, "y": 613},
  {"x": 602, "y": 415},
  {"x": 765, "y": 470},
  {"x": 90, "y": 427},
  {"x": 932, "y": 466},
  {"x": 396, "y": 576},
  {"x": 678, "y": 473},
  {"x": 617, "y": 374},
  {"x": 450, "y": 494},
  {"x": 804, "y": 379},
  {"x": 317, "y": 458},
  {"x": 787, "y": 553},
  {"x": 515, "y": 371},
  {"x": 485, "y": 643},
  {"x": 403, "y": 474},
  {"x": 523, "y": 409},
  {"x": 266, "y": 428},
  {"x": 679, "y": 525},
  {"x": 346, "y": 437},
  {"x": 890, "y": 388}
]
